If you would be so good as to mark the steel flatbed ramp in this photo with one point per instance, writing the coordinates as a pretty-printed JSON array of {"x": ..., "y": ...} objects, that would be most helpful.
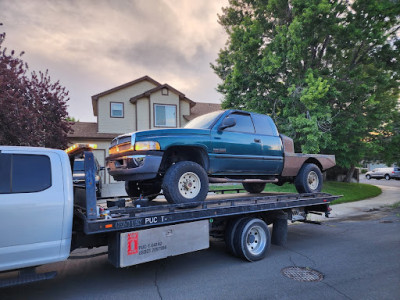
[{"x": 133, "y": 218}]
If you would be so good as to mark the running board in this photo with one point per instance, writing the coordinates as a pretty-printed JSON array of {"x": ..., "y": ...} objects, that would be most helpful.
[
  {"x": 25, "y": 276},
  {"x": 227, "y": 180}
]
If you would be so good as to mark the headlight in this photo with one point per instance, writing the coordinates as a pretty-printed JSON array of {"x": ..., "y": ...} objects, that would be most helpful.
[{"x": 147, "y": 145}]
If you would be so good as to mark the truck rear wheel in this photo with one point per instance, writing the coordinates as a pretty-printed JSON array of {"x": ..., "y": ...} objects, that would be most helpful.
[
  {"x": 185, "y": 182},
  {"x": 309, "y": 179},
  {"x": 135, "y": 189},
  {"x": 254, "y": 188},
  {"x": 252, "y": 239},
  {"x": 230, "y": 232}
]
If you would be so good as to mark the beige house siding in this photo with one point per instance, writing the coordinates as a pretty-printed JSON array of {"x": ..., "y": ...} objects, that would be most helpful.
[
  {"x": 184, "y": 111},
  {"x": 143, "y": 114},
  {"x": 128, "y": 123}
]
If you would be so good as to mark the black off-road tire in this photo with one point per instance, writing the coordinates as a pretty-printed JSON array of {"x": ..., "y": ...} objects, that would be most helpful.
[
  {"x": 150, "y": 190},
  {"x": 185, "y": 182},
  {"x": 254, "y": 187},
  {"x": 309, "y": 179},
  {"x": 252, "y": 239}
]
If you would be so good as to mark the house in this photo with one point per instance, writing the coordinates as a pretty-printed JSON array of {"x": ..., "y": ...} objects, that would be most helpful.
[{"x": 141, "y": 104}]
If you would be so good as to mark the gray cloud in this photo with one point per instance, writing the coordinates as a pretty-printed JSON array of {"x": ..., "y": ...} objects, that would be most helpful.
[{"x": 91, "y": 46}]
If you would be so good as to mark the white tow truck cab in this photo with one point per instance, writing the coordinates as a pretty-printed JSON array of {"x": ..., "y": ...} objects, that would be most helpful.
[
  {"x": 43, "y": 217},
  {"x": 36, "y": 206}
]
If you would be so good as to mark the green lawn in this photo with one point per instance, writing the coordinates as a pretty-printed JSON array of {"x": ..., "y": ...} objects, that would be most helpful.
[{"x": 350, "y": 191}]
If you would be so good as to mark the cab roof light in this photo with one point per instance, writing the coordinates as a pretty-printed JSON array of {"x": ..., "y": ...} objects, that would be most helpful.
[{"x": 80, "y": 147}]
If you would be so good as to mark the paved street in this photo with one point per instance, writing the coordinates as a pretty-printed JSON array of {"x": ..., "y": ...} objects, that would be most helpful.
[
  {"x": 383, "y": 182},
  {"x": 358, "y": 256}
]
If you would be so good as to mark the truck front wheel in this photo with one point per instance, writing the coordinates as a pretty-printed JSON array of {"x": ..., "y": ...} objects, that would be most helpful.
[
  {"x": 309, "y": 179},
  {"x": 185, "y": 182},
  {"x": 254, "y": 188}
]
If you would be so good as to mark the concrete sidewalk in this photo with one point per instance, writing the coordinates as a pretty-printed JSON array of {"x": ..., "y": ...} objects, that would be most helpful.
[{"x": 390, "y": 195}]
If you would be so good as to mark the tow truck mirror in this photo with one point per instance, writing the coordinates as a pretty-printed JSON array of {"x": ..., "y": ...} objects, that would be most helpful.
[{"x": 227, "y": 122}]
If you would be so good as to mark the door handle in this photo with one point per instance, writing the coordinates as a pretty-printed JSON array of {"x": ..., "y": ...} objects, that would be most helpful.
[{"x": 257, "y": 140}]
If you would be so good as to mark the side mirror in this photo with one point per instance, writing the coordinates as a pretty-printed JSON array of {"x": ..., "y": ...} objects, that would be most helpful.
[{"x": 227, "y": 122}]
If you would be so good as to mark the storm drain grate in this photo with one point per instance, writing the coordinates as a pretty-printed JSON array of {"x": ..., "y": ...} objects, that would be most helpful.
[{"x": 302, "y": 274}]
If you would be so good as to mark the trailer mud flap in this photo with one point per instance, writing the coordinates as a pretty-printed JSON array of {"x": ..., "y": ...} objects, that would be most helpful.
[{"x": 136, "y": 247}]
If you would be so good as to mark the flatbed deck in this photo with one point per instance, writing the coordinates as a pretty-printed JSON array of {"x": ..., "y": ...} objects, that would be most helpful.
[{"x": 160, "y": 213}]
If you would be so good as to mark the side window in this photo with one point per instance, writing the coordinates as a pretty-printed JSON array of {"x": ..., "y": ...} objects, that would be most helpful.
[
  {"x": 263, "y": 125},
  {"x": 25, "y": 173},
  {"x": 243, "y": 123}
]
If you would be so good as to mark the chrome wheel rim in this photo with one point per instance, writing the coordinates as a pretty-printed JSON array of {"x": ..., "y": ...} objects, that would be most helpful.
[
  {"x": 256, "y": 240},
  {"x": 312, "y": 180},
  {"x": 189, "y": 185}
]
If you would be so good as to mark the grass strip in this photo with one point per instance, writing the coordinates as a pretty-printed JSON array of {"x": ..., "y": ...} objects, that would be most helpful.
[{"x": 350, "y": 191}]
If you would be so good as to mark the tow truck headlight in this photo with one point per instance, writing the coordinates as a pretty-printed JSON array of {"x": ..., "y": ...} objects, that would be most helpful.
[{"x": 147, "y": 145}]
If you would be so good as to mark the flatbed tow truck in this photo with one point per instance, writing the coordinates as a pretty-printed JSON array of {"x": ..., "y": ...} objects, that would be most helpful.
[{"x": 137, "y": 231}]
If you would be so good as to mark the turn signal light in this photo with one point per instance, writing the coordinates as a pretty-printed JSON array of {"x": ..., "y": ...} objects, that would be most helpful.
[{"x": 147, "y": 145}]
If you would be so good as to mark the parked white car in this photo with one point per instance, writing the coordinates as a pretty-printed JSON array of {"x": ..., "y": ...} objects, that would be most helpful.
[{"x": 380, "y": 173}]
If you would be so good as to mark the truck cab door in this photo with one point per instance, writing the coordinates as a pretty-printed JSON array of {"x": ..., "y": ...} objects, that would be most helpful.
[
  {"x": 237, "y": 149},
  {"x": 32, "y": 208}
]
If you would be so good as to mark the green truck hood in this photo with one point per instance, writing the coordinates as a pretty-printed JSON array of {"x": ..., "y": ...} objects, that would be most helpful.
[{"x": 179, "y": 136}]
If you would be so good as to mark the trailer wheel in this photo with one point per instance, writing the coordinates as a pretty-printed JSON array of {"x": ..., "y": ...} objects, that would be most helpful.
[
  {"x": 309, "y": 179},
  {"x": 230, "y": 232},
  {"x": 185, "y": 182},
  {"x": 254, "y": 188},
  {"x": 252, "y": 239},
  {"x": 147, "y": 189}
]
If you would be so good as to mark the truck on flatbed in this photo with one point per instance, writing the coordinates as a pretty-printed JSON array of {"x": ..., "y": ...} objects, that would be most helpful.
[
  {"x": 222, "y": 146},
  {"x": 43, "y": 217}
]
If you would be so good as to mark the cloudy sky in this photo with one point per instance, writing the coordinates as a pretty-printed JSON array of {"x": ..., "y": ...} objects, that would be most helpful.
[{"x": 94, "y": 45}]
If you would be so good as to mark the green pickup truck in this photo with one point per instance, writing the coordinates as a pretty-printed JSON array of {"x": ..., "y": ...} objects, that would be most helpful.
[{"x": 219, "y": 147}]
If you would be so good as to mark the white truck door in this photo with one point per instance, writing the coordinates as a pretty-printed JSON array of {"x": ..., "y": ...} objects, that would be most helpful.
[{"x": 31, "y": 208}]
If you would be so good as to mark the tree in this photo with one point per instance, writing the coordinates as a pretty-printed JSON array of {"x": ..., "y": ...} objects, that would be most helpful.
[
  {"x": 326, "y": 71},
  {"x": 33, "y": 110}
]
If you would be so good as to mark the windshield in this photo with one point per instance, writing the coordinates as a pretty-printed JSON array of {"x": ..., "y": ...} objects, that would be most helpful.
[{"x": 204, "y": 121}]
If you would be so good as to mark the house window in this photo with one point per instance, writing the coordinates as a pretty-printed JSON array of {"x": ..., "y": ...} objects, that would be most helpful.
[
  {"x": 117, "y": 110},
  {"x": 164, "y": 92},
  {"x": 164, "y": 115}
]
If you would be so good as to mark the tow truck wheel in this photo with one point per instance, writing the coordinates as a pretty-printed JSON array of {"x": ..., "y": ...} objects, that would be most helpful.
[
  {"x": 309, "y": 179},
  {"x": 230, "y": 232},
  {"x": 135, "y": 189},
  {"x": 185, "y": 182},
  {"x": 254, "y": 188},
  {"x": 252, "y": 239}
]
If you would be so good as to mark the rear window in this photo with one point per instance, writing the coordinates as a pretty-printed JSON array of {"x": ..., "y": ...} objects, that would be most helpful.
[{"x": 23, "y": 173}]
